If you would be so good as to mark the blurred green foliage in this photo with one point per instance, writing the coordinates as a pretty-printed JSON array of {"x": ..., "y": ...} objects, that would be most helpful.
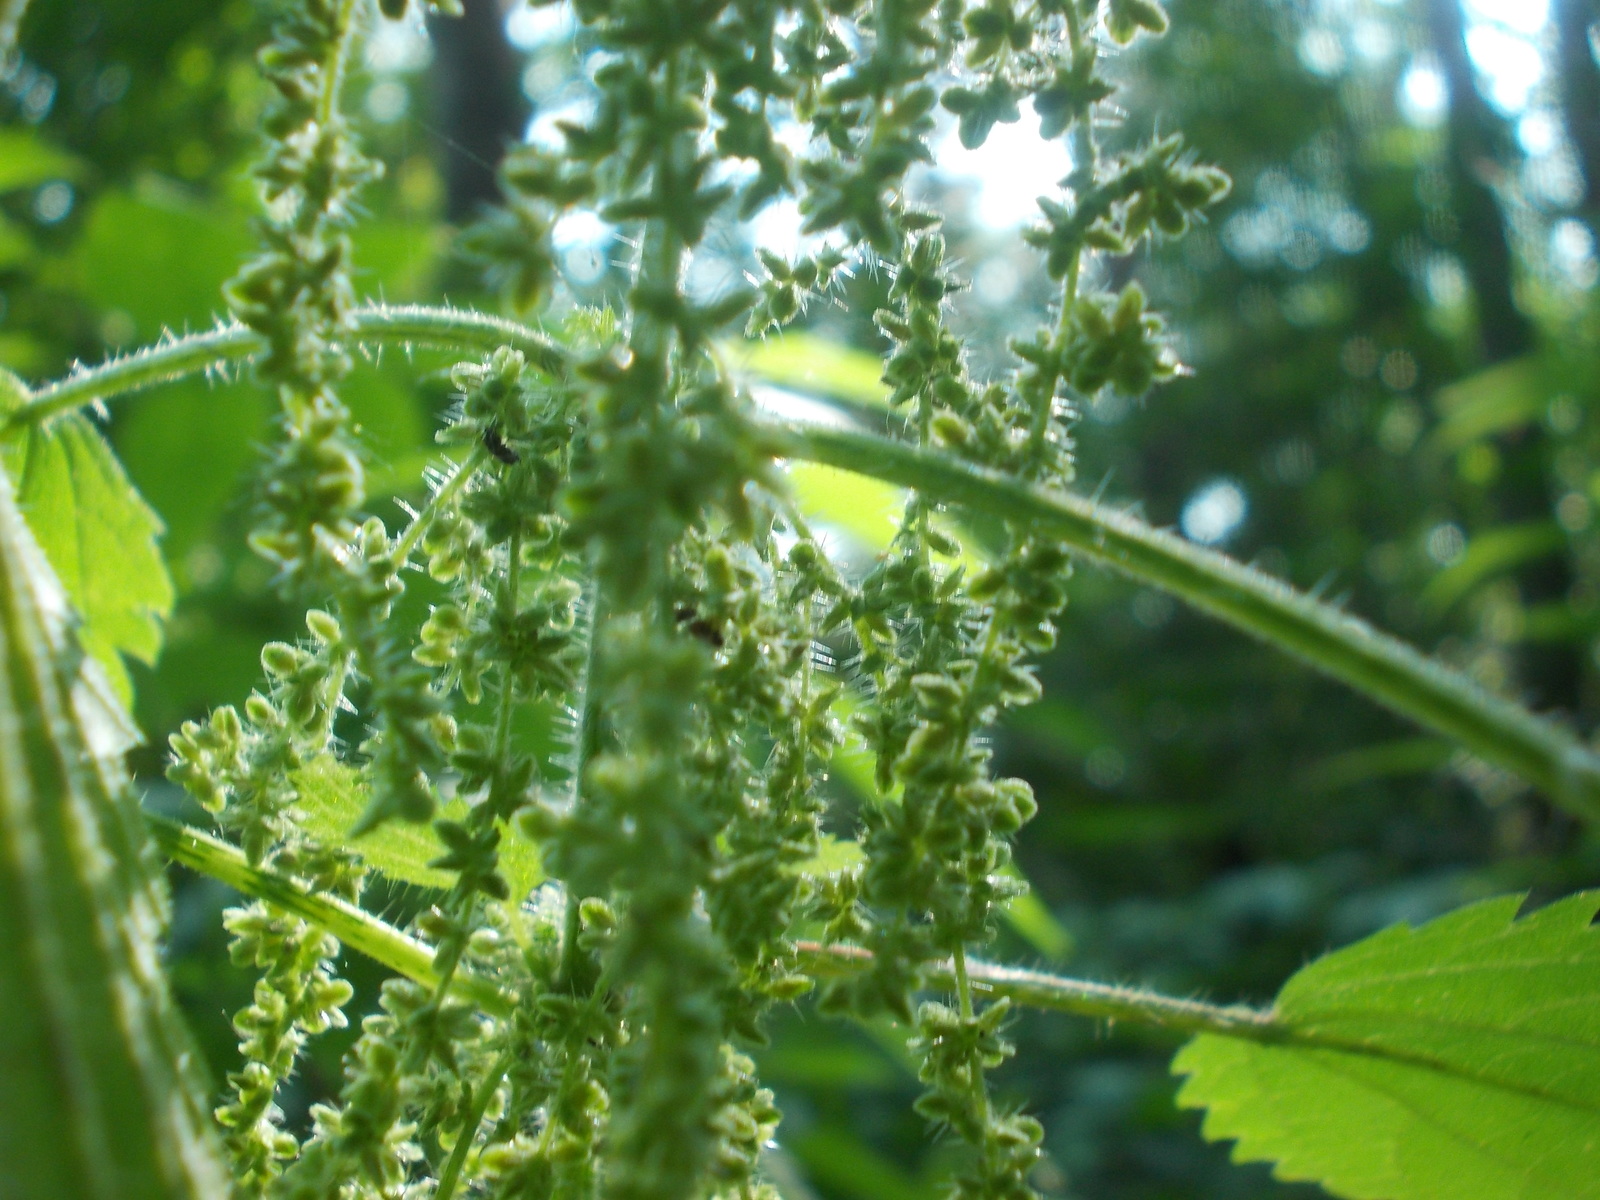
[{"x": 1211, "y": 815}]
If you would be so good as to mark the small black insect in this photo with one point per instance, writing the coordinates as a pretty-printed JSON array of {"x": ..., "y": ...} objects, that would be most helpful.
[
  {"x": 699, "y": 627},
  {"x": 496, "y": 445}
]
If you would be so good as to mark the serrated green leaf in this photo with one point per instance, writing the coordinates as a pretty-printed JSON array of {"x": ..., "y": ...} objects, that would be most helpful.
[
  {"x": 1459, "y": 1060},
  {"x": 333, "y": 795},
  {"x": 99, "y": 536}
]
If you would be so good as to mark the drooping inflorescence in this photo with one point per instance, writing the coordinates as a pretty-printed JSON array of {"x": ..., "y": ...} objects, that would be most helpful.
[{"x": 612, "y": 543}]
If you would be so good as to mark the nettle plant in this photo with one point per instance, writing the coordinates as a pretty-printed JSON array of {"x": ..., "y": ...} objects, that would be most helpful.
[{"x": 613, "y": 542}]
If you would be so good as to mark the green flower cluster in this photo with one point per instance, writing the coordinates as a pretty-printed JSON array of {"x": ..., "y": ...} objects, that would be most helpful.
[
  {"x": 946, "y": 653},
  {"x": 613, "y": 543},
  {"x": 297, "y": 292}
]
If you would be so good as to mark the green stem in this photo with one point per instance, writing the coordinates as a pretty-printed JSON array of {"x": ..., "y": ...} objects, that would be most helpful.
[
  {"x": 353, "y": 926},
  {"x": 362, "y": 931},
  {"x": 419, "y": 526},
  {"x": 1079, "y": 997},
  {"x": 1343, "y": 646},
  {"x": 406, "y": 325},
  {"x": 958, "y": 966},
  {"x": 372, "y": 936},
  {"x": 585, "y": 745},
  {"x": 508, "y": 688},
  {"x": 469, "y": 1127},
  {"x": 333, "y": 73}
]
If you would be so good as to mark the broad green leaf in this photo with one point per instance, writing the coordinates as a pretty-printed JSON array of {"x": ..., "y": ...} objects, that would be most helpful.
[
  {"x": 816, "y": 366},
  {"x": 1560, "y": 621},
  {"x": 818, "y": 1062},
  {"x": 15, "y": 246},
  {"x": 124, "y": 259},
  {"x": 1459, "y": 1060},
  {"x": 100, "y": 1093},
  {"x": 863, "y": 508},
  {"x": 835, "y": 854},
  {"x": 191, "y": 447},
  {"x": 20, "y": 352},
  {"x": 866, "y": 509},
  {"x": 333, "y": 795},
  {"x": 99, "y": 536},
  {"x": 1061, "y": 725}
]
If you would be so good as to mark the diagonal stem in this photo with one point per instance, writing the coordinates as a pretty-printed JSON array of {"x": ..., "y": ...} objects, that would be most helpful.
[
  {"x": 372, "y": 936},
  {"x": 1374, "y": 663},
  {"x": 369, "y": 934},
  {"x": 192, "y": 354},
  {"x": 1345, "y": 647}
]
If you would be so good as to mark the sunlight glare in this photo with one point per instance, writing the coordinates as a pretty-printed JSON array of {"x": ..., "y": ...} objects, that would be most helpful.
[{"x": 1012, "y": 170}]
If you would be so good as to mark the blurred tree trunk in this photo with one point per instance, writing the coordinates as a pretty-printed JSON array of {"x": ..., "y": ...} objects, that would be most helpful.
[
  {"x": 1481, "y": 149},
  {"x": 480, "y": 110},
  {"x": 1580, "y": 97},
  {"x": 1475, "y": 135}
]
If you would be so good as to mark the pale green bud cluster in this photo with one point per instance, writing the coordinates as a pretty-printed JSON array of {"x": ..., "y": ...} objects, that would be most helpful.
[{"x": 612, "y": 545}]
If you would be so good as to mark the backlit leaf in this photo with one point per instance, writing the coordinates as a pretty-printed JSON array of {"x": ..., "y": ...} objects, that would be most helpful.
[
  {"x": 100, "y": 537},
  {"x": 332, "y": 795},
  {"x": 1459, "y": 1060}
]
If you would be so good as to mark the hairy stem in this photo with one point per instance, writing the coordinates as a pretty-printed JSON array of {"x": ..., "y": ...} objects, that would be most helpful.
[
  {"x": 1373, "y": 663},
  {"x": 372, "y": 936},
  {"x": 352, "y": 925},
  {"x": 403, "y": 954},
  {"x": 192, "y": 354},
  {"x": 418, "y": 529},
  {"x": 1345, "y": 647}
]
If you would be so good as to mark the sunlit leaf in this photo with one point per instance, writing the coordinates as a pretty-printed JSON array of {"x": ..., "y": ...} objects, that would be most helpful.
[
  {"x": 333, "y": 795},
  {"x": 99, "y": 536},
  {"x": 1459, "y": 1060},
  {"x": 124, "y": 260},
  {"x": 815, "y": 366},
  {"x": 835, "y": 854}
]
